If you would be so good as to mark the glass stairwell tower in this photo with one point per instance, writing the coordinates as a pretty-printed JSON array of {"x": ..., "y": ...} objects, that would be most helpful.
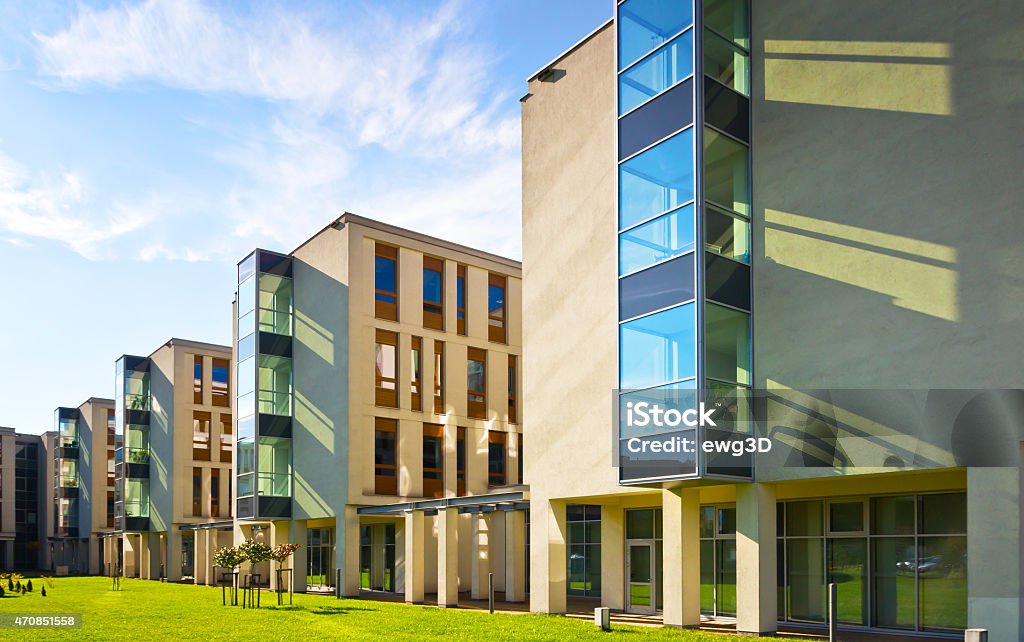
[{"x": 684, "y": 207}]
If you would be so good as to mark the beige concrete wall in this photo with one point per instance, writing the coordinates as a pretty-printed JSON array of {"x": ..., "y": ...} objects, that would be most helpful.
[
  {"x": 569, "y": 258},
  {"x": 7, "y": 456}
]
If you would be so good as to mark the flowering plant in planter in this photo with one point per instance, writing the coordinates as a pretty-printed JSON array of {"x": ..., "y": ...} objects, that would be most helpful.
[{"x": 282, "y": 552}]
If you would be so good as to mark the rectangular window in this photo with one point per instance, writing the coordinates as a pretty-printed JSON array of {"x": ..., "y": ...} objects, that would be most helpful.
[
  {"x": 416, "y": 374},
  {"x": 726, "y": 172},
  {"x": 727, "y": 338},
  {"x": 496, "y": 308},
  {"x": 460, "y": 463},
  {"x": 215, "y": 492},
  {"x": 519, "y": 457},
  {"x": 513, "y": 385},
  {"x": 386, "y": 282},
  {"x": 197, "y": 492},
  {"x": 726, "y": 234},
  {"x": 226, "y": 438},
  {"x": 644, "y": 24},
  {"x": 663, "y": 238},
  {"x": 111, "y": 427},
  {"x": 496, "y": 455},
  {"x": 386, "y": 376},
  {"x": 439, "y": 407},
  {"x": 433, "y": 293},
  {"x": 657, "y": 72},
  {"x": 201, "y": 436},
  {"x": 584, "y": 543},
  {"x": 385, "y": 456},
  {"x": 460, "y": 299},
  {"x": 726, "y": 63},
  {"x": 110, "y": 509},
  {"x": 197, "y": 376},
  {"x": 221, "y": 385},
  {"x": 476, "y": 383},
  {"x": 656, "y": 180},
  {"x": 433, "y": 460},
  {"x": 658, "y": 348}
]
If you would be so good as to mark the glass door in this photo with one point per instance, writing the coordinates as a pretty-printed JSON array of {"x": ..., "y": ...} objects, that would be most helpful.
[{"x": 640, "y": 571}]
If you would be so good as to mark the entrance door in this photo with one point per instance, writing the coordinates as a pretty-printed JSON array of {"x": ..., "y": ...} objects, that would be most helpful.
[{"x": 640, "y": 571}]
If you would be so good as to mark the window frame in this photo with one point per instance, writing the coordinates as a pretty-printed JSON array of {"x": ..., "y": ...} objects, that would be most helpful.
[
  {"x": 433, "y": 311},
  {"x": 384, "y": 309},
  {"x": 476, "y": 400},
  {"x": 383, "y": 395},
  {"x": 385, "y": 484},
  {"x": 497, "y": 324}
]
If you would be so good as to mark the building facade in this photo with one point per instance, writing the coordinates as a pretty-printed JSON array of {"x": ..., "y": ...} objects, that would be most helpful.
[
  {"x": 379, "y": 421},
  {"x": 172, "y": 494},
  {"x": 762, "y": 203},
  {"x": 31, "y": 503},
  {"x": 83, "y": 488}
]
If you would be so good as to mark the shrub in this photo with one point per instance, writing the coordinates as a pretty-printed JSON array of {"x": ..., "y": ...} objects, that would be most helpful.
[{"x": 29, "y": 586}]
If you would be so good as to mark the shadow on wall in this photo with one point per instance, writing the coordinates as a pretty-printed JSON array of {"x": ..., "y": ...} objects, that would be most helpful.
[
  {"x": 886, "y": 146},
  {"x": 320, "y": 391}
]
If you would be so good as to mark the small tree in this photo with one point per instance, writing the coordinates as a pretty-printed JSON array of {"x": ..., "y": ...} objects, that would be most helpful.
[
  {"x": 282, "y": 552},
  {"x": 42, "y": 589},
  {"x": 10, "y": 584},
  {"x": 255, "y": 552},
  {"x": 29, "y": 586},
  {"x": 228, "y": 557}
]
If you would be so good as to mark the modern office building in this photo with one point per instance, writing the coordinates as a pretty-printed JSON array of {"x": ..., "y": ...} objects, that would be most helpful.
[
  {"x": 172, "y": 411},
  {"x": 378, "y": 412},
  {"x": 83, "y": 488},
  {"x": 7, "y": 497},
  {"x": 782, "y": 200},
  {"x": 25, "y": 456}
]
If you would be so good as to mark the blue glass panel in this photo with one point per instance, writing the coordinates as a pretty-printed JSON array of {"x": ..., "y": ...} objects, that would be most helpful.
[
  {"x": 460, "y": 294},
  {"x": 645, "y": 24},
  {"x": 246, "y": 377},
  {"x": 246, "y": 347},
  {"x": 247, "y": 267},
  {"x": 432, "y": 286},
  {"x": 385, "y": 276},
  {"x": 656, "y": 180},
  {"x": 657, "y": 72},
  {"x": 664, "y": 237},
  {"x": 246, "y": 296},
  {"x": 659, "y": 348},
  {"x": 495, "y": 300},
  {"x": 661, "y": 286},
  {"x": 657, "y": 119}
]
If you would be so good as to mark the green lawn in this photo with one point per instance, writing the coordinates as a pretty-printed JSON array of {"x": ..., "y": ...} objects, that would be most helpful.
[{"x": 152, "y": 610}]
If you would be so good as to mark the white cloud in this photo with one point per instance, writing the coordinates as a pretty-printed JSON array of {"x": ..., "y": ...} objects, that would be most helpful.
[
  {"x": 57, "y": 209},
  {"x": 393, "y": 115}
]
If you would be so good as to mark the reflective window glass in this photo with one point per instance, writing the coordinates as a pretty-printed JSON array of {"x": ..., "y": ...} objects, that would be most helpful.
[
  {"x": 657, "y": 72},
  {"x": 726, "y": 110},
  {"x": 729, "y": 18},
  {"x": 658, "y": 348},
  {"x": 727, "y": 281},
  {"x": 656, "y": 180},
  {"x": 846, "y": 517},
  {"x": 726, "y": 172},
  {"x": 892, "y": 515},
  {"x": 943, "y": 514},
  {"x": 664, "y": 237},
  {"x": 726, "y": 63},
  {"x": 804, "y": 518},
  {"x": 727, "y": 339},
  {"x": 645, "y": 24},
  {"x": 726, "y": 234}
]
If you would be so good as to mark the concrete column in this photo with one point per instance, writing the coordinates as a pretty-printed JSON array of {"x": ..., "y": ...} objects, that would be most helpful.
[
  {"x": 547, "y": 556},
  {"x": 128, "y": 554},
  {"x": 199, "y": 564},
  {"x": 149, "y": 554},
  {"x": 448, "y": 557},
  {"x": 515, "y": 556},
  {"x": 278, "y": 536},
  {"x": 346, "y": 551},
  {"x": 994, "y": 555},
  {"x": 756, "y": 581},
  {"x": 174, "y": 544},
  {"x": 613, "y": 557},
  {"x": 414, "y": 557},
  {"x": 681, "y": 564},
  {"x": 298, "y": 535},
  {"x": 481, "y": 555},
  {"x": 94, "y": 555}
]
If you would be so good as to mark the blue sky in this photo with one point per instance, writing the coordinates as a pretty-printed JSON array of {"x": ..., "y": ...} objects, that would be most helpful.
[{"x": 145, "y": 147}]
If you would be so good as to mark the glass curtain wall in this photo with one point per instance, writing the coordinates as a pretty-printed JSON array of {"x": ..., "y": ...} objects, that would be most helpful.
[
  {"x": 657, "y": 188},
  {"x": 718, "y": 560},
  {"x": 900, "y": 562},
  {"x": 320, "y": 557},
  {"x": 264, "y": 385}
]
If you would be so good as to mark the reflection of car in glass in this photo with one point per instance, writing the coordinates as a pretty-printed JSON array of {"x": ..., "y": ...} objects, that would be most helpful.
[{"x": 933, "y": 565}]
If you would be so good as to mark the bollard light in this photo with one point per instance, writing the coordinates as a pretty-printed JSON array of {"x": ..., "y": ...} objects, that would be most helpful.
[{"x": 603, "y": 618}]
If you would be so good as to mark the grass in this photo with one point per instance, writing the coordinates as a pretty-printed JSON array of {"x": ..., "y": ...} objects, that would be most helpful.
[{"x": 153, "y": 610}]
